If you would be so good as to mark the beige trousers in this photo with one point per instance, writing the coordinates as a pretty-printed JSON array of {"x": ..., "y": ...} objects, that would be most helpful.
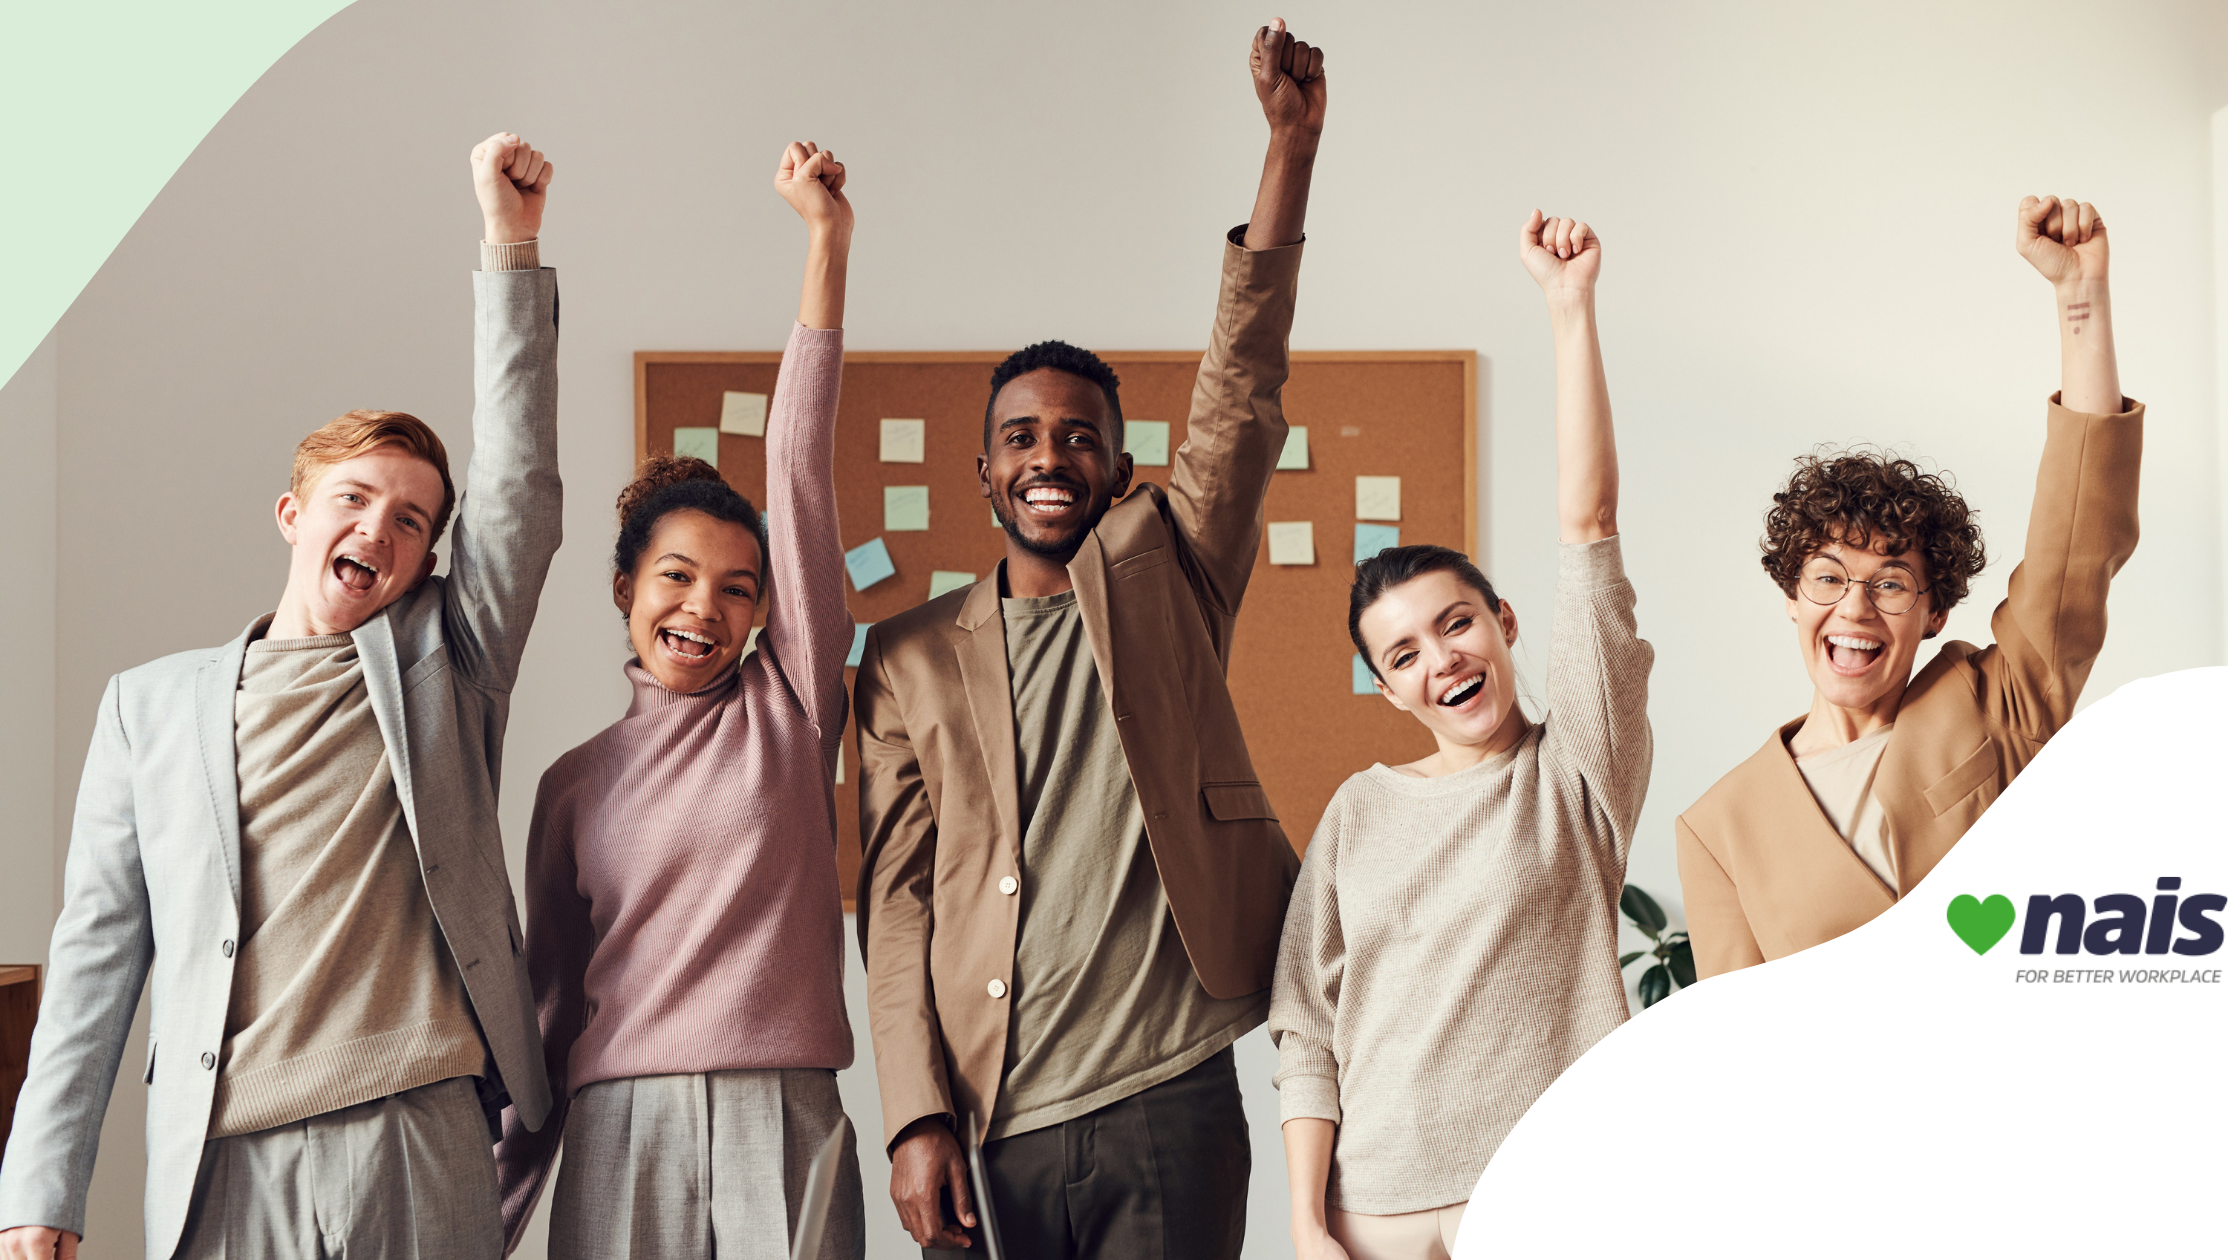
[{"x": 1425, "y": 1235}]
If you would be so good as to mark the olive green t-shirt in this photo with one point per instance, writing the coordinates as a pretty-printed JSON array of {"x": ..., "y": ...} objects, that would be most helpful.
[{"x": 1104, "y": 1000}]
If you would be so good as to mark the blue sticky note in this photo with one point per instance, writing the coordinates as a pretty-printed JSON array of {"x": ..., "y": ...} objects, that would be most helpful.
[
  {"x": 695, "y": 444},
  {"x": 1368, "y": 540},
  {"x": 855, "y": 654},
  {"x": 870, "y": 564},
  {"x": 1364, "y": 682}
]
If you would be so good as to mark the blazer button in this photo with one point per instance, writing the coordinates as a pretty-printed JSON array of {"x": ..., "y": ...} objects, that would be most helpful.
[
  {"x": 209, "y": 1060},
  {"x": 995, "y": 990},
  {"x": 226, "y": 948},
  {"x": 1007, "y": 885}
]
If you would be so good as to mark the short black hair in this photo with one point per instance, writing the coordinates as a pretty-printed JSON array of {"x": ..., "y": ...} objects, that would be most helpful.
[
  {"x": 1395, "y": 565},
  {"x": 1064, "y": 357},
  {"x": 671, "y": 483}
]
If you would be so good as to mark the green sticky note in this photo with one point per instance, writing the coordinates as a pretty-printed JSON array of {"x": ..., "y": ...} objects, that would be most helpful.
[
  {"x": 1294, "y": 456},
  {"x": 1368, "y": 540},
  {"x": 1147, "y": 441},
  {"x": 993, "y": 519},
  {"x": 908, "y": 508},
  {"x": 696, "y": 444},
  {"x": 1364, "y": 682},
  {"x": 947, "y": 580}
]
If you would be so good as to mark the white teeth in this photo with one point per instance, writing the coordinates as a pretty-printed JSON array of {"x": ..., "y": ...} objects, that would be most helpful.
[
  {"x": 1854, "y": 643},
  {"x": 696, "y": 638},
  {"x": 1461, "y": 687},
  {"x": 363, "y": 565},
  {"x": 1049, "y": 494}
]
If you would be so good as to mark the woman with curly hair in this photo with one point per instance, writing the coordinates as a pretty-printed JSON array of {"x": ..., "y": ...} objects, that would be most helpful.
[
  {"x": 1848, "y": 807},
  {"x": 684, "y": 936}
]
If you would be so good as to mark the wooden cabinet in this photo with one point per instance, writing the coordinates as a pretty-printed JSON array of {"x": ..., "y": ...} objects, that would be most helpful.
[{"x": 19, "y": 1009}]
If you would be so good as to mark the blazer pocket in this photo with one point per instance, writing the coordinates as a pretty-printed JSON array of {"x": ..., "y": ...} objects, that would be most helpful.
[
  {"x": 1141, "y": 562},
  {"x": 149, "y": 1077},
  {"x": 1230, "y": 802},
  {"x": 1961, "y": 783},
  {"x": 425, "y": 668}
]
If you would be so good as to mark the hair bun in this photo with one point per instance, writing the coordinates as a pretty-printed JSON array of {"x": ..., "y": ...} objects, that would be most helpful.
[{"x": 657, "y": 473}]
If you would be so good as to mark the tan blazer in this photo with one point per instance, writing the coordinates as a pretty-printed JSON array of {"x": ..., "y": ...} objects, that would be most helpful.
[
  {"x": 1159, "y": 582},
  {"x": 1763, "y": 872}
]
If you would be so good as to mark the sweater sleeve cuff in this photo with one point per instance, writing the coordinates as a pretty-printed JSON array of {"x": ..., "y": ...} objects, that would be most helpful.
[
  {"x": 814, "y": 338},
  {"x": 1310, "y": 1097},
  {"x": 1591, "y": 565},
  {"x": 513, "y": 256}
]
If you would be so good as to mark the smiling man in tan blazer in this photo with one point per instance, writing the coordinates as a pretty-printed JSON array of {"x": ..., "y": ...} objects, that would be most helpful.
[
  {"x": 1847, "y": 808},
  {"x": 1072, "y": 884}
]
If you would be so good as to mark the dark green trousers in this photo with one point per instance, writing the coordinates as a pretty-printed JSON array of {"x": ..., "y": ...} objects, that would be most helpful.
[{"x": 1158, "y": 1175}]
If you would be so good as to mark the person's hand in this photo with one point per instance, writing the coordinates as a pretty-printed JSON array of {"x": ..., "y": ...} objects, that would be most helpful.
[
  {"x": 2066, "y": 241},
  {"x": 1287, "y": 76},
  {"x": 1563, "y": 255},
  {"x": 810, "y": 179},
  {"x": 510, "y": 179},
  {"x": 1319, "y": 1246},
  {"x": 927, "y": 1161},
  {"x": 37, "y": 1242}
]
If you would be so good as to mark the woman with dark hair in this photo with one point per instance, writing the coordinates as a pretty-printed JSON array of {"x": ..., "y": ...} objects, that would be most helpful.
[
  {"x": 1452, "y": 941},
  {"x": 1845, "y": 809},
  {"x": 684, "y": 933}
]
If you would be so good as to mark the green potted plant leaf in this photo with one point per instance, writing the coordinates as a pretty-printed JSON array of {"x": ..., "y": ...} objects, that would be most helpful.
[{"x": 1675, "y": 966}]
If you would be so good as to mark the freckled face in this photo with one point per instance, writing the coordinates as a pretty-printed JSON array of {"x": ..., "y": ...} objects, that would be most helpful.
[
  {"x": 691, "y": 600},
  {"x": 1857, "y": 655},
  {"x": 1443, "y": 656}
]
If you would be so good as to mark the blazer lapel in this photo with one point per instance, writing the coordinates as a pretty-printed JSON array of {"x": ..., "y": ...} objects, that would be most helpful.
[
  {"x": 1093, "y": 596},
  {"x": 986, "y": 668},
  {"x": 1784, "y": 816},
  {"x": 377, "y": 655},
  {"x": 215, "y": 684}
]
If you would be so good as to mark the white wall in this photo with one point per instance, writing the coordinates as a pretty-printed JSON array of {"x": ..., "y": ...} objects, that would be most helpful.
[{"x": 1808, "y": 213}]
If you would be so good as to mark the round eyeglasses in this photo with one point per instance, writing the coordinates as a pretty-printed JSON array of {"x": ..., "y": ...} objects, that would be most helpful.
[{"x": 1893, "y": 588}]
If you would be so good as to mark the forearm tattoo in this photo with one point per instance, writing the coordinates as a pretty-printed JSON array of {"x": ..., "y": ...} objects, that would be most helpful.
[{"x": 2079, "y": 313}]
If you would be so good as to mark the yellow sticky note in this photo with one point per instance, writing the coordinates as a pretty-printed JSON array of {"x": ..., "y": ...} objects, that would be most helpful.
[
  {"x": 1294, "y": 456},
  {"x": 908, "y": 507},
  {"x": 1290, "y": 542},
  {"x": 744, "y": 414},
  {"x": 1376, "y": 498},
  {"x": 902, "y": 441}
]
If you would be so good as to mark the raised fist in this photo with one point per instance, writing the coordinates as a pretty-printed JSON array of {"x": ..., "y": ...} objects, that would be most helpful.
[
  {"x": 810, "y": 179},
  {"x": 1563, "y": 255},
  {"x": 509, "y": 180},
  {"x": 1287, "y": 76},
  {"x": 2065, "y": 240}
]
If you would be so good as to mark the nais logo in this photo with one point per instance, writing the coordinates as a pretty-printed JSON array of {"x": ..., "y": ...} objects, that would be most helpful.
[{"x": 2126, "y": 925}]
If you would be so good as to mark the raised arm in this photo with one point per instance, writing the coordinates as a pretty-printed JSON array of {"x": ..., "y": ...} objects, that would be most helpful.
[
  {"x": 809, "y": 630},
  {"x": 1236, "y": 427},
  {"x": 1565, "y": 257},
  {"x": 2068, "y": 243},
  {"x": 509, "y": 515}
]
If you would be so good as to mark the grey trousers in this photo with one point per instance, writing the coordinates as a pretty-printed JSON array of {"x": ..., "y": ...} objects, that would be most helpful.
[
  {"x": 407, "y": 1177},
  {"x": 1161, "y": 1173},
  {"x": 702, "y": 1166}
]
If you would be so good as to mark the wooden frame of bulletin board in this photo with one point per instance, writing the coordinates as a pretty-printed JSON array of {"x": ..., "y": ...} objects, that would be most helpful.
[{"x": 1405, "y": 413}]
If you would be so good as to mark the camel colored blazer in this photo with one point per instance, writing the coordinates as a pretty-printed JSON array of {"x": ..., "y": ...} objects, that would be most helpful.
[
  {"x": 1159, "y": 582},
  {"x": 1763, "y": 872}
]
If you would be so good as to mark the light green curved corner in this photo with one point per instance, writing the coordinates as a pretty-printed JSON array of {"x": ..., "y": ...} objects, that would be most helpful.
[{"x": 99, "y": 104}]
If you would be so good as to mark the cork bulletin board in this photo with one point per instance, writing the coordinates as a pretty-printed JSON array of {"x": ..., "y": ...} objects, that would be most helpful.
[{"x": 1377, "y": 414}]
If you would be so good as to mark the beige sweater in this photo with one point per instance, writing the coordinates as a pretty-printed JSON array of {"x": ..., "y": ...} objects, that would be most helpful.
[
  {"x": 1452, "y": 943},
  {"x": 345, "y": 990}
]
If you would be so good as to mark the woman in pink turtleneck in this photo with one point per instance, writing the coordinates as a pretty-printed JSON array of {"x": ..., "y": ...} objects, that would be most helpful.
[{"x": 684, "y": 912}]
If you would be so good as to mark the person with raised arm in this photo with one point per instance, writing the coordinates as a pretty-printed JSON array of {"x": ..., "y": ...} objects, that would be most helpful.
[
  {"x": 1072, "y": 882},
  {"x": 1849, "y": 807},
  {"x": 1452, "y": 943},
  {"x": 685, "y": 937},
  {"x": 292, "y": 842}
]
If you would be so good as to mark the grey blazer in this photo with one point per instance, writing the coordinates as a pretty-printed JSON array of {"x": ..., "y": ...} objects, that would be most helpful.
[{"x": 153, "y": 879}]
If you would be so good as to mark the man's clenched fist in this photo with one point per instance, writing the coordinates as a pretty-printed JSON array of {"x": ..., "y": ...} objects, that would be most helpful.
[{"x": 509, "y": 180}]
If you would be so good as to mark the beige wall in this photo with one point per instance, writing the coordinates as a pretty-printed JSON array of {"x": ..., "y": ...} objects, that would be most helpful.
[{"x": 1808, "y": 214}]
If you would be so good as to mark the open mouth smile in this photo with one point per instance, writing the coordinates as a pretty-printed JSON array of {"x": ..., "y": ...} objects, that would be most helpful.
[
  {"x": 1048, "y": 502},
  {"x": 355, "y": 574},
  {"x": 1851, "y": 655},
  {"x": 1462, "y": 691},
  {"x": 687, "y": 647}
]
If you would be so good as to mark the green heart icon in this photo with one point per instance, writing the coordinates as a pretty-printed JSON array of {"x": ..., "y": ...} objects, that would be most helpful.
[{"x": 1980, "y": 923}]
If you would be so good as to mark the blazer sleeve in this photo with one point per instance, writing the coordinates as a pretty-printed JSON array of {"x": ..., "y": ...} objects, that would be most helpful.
[
  {"x": 557, "y": 944},
  {"x": 809, "y": 630},
  {"x": 2084, "y": 523},
  {"x": 104, "y": 944},
  {"x": 1718, "y": 933},
  {"x": 509, "y": 512},
  {"x": 1236, "y": 427},
  {"x": 1310, "y": 967},
  {"x": 894, "y": 903}
]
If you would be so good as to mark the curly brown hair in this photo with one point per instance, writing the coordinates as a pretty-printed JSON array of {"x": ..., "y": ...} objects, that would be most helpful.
[
  {"x": 1866, "y": 497},
  {"x": 674, "y": 483}
]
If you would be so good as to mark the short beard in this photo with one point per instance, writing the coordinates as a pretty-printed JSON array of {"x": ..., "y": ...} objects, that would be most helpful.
[{"x": 1064, "y": 549}]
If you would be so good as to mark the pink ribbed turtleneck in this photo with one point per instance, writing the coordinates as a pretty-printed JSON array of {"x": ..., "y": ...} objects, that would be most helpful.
[{"x": 684, "y": 909}]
